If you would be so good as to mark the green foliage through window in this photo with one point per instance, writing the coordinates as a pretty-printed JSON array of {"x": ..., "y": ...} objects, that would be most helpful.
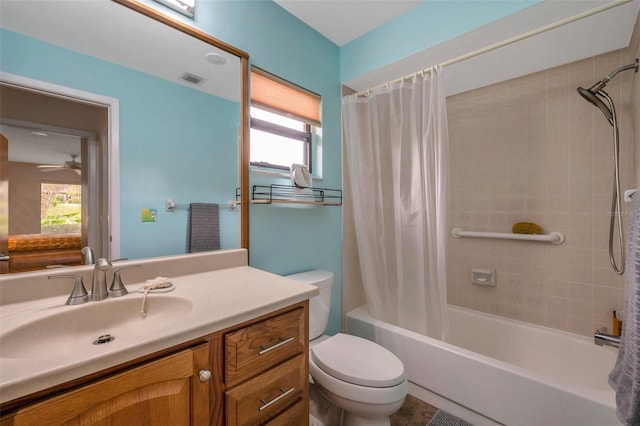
[{"x": 60, "y": 208}]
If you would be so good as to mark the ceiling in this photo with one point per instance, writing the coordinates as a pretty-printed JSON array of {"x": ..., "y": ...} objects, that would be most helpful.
[
  {"x": 135, "y": 42},
  {"x": 35, "y": 145},
  {"x": 344, "y": 20}
]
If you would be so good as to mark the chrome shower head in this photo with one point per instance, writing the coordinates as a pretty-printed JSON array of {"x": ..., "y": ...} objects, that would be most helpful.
[
  {"x": 592, "y": 97},
  {"x": 593, "y": 93}
]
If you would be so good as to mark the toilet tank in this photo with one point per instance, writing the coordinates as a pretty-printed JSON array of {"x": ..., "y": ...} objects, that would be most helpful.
[{"x": 320, "y": 305}]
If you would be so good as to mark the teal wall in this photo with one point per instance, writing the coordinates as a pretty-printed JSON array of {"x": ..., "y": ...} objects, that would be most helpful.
[
  {"x": 175, "y": 142},
  {"x": 288, "y": 239}
]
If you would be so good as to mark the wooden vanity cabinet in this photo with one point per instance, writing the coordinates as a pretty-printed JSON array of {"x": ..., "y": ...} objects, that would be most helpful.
[
  {"x": 259, "y": 376},
  {"x": 167, "y": 391}
]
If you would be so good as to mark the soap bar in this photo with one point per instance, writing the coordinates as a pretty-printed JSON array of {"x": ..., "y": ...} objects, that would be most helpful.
[{"x": 526, "y": 228}]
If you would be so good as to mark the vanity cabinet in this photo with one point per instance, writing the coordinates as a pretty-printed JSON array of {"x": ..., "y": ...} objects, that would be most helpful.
[
  {"x": 163, "y": 392},
  {"x": 253, "y": 373}
]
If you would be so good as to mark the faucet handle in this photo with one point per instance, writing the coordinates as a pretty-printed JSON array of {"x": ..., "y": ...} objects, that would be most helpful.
[
  {"x": 117, "y": 287},
  {"x": 79, "y": 294}
]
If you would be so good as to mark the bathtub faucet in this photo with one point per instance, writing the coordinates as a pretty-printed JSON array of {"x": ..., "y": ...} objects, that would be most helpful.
[{"x": 602, "y": 339}]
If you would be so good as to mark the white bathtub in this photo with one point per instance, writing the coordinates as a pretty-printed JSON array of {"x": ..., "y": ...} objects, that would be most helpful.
[{"x": 496, "y": 370}]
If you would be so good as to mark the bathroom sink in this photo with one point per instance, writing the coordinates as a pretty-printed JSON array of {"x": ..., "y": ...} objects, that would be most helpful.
[{"x": 62, "y": 330}]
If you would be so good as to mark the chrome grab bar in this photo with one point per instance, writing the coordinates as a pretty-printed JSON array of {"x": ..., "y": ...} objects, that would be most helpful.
[{"x": 603, "y": 339}]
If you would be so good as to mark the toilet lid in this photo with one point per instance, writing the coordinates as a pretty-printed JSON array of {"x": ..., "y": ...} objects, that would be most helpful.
[{"x": 358, "y": 361}]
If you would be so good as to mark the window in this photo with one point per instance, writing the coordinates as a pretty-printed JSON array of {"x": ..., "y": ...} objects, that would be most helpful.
[
  {"x": 285, "y": 119},
  {"x": 60, "y": 208},
  {"x": 277, "y": 141}
]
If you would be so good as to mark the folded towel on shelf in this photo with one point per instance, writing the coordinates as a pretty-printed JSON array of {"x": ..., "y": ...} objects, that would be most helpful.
[
  {"x": 625, "y": 376},
  {"x": 204, "y": 227}
]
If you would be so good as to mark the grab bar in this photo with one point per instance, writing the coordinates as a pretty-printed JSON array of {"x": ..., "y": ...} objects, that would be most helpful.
[
  {"x": 603, "y": 339},
  {"x": 553, "y": 237}
]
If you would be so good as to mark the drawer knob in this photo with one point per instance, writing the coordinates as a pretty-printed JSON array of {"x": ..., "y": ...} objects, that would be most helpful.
[
  {"x": 204, "y": 375},
  {"x": 275, "y": 346},
  {"x": 284, "y": 393}
]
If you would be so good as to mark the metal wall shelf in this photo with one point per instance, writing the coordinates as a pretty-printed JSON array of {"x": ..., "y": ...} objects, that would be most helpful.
[{"x": 287, "y": 194}]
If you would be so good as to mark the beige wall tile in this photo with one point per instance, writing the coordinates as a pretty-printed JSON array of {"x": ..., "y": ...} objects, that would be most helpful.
[{"x": 556, "y": 170}]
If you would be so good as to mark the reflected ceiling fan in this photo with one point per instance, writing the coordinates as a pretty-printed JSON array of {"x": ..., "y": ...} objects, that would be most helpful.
[{"x": 68, "y": 165}]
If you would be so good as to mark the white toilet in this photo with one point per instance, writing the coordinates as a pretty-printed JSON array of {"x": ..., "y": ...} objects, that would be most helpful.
[{"x": 361, "y": 377}]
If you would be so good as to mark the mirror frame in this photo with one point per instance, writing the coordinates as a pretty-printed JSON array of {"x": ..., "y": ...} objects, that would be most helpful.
[{"x": 244, "y": 101}]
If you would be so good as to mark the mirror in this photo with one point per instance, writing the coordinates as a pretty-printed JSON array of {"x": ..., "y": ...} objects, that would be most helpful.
[{"x": 113, "y": 107}]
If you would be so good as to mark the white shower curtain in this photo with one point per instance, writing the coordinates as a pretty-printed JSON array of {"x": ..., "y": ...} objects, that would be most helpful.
[{"x": 397, "y": 153}]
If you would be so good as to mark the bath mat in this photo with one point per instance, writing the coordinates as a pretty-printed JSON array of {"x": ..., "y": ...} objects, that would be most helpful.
[{"x": 442, "y": 418}]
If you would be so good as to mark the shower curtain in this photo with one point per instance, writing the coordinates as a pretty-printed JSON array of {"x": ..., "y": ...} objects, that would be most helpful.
[{"x": 396, "y": 147}]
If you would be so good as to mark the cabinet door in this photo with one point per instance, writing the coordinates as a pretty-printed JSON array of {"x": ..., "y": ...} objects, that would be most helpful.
[{"x": 163, "y": 392}]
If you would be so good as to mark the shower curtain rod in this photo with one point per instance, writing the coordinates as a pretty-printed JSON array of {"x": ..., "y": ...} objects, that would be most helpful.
[{"x": 506, "y": 42}]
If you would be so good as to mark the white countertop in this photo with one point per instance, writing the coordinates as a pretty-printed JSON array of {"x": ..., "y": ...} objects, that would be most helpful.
[{"x": 223, "y": 298}]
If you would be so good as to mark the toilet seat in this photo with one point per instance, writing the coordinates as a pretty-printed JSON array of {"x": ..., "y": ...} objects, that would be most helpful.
[
  {"x": 357, "y": 393},
  {"x": 358, "y": 361}
]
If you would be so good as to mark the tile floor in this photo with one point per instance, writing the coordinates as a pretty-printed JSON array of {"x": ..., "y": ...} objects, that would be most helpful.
[{"x": 413, "y": 412}]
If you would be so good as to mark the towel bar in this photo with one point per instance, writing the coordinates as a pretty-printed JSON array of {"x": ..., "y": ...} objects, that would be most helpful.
[{"x": 171, "y": 206}]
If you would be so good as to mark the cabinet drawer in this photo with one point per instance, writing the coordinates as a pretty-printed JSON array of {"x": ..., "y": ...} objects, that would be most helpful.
[
  {"x": 297, "y": 414},
  {"x": 264, "y": 397},
  {"x": 258, "y": 347}
]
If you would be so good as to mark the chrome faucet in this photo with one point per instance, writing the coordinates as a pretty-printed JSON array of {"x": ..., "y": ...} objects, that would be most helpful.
[
  {"x": 88, "y": 256},
  {"x": 99, "y": 280},
  {"x": 603, "y": 339}
]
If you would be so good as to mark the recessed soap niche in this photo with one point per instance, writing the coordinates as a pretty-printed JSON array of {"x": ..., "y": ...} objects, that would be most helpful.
[{"x": 485, "y": 277}]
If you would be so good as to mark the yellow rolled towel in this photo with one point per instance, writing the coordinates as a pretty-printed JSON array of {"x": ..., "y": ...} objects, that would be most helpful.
[{"x": 526, "y": 228}]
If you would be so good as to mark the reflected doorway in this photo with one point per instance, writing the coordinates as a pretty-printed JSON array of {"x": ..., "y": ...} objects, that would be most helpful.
[{"x": 57, "y": 178}]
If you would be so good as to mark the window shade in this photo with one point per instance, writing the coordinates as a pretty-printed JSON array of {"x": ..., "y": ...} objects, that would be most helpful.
[{"x": 279, "y": 96}]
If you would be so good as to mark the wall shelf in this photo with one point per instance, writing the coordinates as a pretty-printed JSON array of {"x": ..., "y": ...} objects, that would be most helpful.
[
  {"x": 552, "y": 237},
  {"x": 287, "y": 194}
]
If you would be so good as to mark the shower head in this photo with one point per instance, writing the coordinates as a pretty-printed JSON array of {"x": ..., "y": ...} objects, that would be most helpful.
[
  {"x": 592, "y": 97},
  {"x": 592, "y": 93}
]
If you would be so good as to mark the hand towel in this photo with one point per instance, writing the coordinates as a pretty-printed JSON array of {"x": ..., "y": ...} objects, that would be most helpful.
[
  {"x": 204, "y": 227},
  {"x": 625, "y": 376}
]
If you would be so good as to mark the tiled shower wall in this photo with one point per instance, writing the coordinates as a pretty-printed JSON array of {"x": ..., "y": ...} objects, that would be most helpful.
[{"x": 531, "y": 149}]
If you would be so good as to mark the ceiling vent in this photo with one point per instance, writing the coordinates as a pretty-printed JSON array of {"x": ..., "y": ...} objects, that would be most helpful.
[{"x": 192, "y": 78}]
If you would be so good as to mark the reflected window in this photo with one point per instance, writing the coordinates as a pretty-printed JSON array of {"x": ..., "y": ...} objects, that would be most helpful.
[
  {"x": 186, "y": 7},
  {"x": 60, "y": 208}
]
